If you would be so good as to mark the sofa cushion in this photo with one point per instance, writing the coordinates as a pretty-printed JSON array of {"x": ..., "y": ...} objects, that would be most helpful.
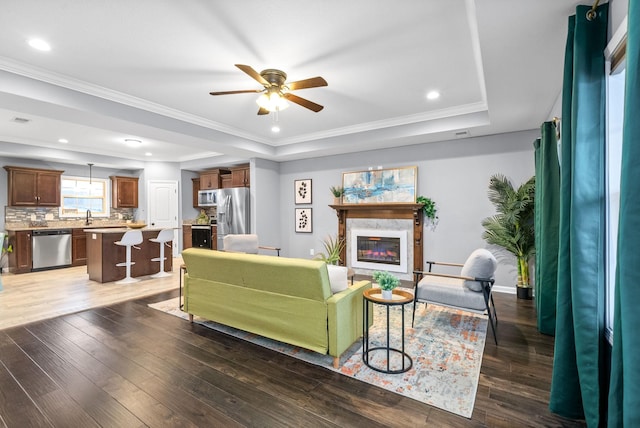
[
  {"x": 241, "y": 243},
  {"x": 449, "y": 292},
  {"x": 337, "y": 278},
  {"x": 480, "y": 264}
]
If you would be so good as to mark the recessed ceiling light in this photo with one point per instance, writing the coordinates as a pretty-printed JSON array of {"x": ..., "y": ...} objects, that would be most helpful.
[
  {"x": 148, "y": 154},
  {"x": 433, "y": 95},
  {"x": 63, "y": 141},
  {"x": 40, "y": 44},
  {"x": 275, "y": 128},
  {"x": 132, "y": 142}
]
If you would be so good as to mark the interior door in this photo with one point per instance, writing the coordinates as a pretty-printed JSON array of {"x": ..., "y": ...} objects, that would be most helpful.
[{"x": 162, "y": 206}]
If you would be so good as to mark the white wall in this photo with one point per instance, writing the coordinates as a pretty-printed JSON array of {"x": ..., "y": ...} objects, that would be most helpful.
[
  {"x": 455, "y": 174},
  {"x": 265, "y": 202}
]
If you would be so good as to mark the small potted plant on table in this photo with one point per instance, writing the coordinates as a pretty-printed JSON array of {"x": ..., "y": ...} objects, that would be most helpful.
[{"x": 387, "y": 282}]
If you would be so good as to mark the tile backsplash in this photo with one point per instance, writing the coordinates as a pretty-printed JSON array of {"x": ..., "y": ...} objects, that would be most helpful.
[{"x": 41, "y": 214}]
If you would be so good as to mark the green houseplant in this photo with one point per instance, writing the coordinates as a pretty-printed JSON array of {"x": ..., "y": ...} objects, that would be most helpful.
[
  {"x": 333, "y": 246},
  {"x": 337, "y": 192},
  {"x": 429, "y": 209},
  {"x": 512, "y": 228},
  {"x": 387, "y": 283}
]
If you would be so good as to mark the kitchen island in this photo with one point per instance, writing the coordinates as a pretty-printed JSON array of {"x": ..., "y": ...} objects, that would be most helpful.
[{"x": 103, "y": 254}]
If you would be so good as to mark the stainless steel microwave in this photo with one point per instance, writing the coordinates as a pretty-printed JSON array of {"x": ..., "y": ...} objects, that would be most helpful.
[{"x": 208, "y": 198}]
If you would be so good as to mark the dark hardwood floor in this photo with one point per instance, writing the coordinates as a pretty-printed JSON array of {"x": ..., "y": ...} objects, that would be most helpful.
[{"x": 127, "y": 365}]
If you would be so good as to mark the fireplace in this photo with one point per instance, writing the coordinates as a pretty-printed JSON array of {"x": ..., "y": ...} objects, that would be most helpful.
[
  {"x": 403, "y": 217},
  {"x": 379, "y": 249}
]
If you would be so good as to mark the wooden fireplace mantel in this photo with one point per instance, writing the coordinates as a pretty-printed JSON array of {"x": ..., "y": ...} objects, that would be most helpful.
[{"x": 383, "y": 211}]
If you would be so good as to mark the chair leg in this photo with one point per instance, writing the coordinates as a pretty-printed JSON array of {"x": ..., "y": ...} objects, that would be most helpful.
[
  {"x": 413, "y": 316},
  {"x": 488, "y": 301}
]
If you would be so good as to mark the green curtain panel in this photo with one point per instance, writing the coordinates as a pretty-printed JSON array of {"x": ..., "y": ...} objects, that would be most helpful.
[
  {"x": 579, "y": 380},
  {"x": 624, "y": 395},
  {"x": 547, "y": 217}
]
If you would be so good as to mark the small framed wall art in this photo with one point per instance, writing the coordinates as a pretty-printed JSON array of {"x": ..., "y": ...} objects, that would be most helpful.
[
  {"x": 302, "y": 190},
  {"x": 303, "y": 220}
]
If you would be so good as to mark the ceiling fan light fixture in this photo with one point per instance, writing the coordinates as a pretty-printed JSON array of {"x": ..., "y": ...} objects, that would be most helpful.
[{"x": 272, "y": 101}]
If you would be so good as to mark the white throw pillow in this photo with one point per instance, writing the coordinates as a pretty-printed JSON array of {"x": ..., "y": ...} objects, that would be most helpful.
[
  {"x": 480, "y": 264},
  {"x": 337, "y": 278}
]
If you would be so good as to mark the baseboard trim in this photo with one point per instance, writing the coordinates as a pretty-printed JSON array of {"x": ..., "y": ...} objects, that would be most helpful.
[{"x": 504, "y": 289}]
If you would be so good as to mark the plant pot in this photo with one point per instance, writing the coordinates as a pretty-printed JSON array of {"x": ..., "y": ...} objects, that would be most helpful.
[
  {"x": 387, "y": 294},
  {"x": 525, "y": 293},
  {"x": 337, "y": 200}
]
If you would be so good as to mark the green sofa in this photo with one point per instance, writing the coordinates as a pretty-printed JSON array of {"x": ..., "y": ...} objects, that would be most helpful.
[{"x": 285, "y": 299}]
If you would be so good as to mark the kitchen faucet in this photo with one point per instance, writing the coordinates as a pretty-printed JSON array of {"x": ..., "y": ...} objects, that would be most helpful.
[{"x": 89, "y": 218}]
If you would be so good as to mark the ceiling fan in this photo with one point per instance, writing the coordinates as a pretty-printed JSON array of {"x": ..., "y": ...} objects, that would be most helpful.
[{"x": 276, "y": 90}]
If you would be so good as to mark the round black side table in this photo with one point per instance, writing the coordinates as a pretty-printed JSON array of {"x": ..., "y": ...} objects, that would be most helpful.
[{"x": 399, "y": 298}]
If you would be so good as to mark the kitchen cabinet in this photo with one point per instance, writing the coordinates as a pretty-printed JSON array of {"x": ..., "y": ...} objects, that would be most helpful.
[
  {"x": 212, "y": 179},
  {"x": 240, "y": 176},
  {"x": 78, "y": 247},
  {"x": 20, "y": 258},
  {"x": 124, "y": 192},
  {"x": 186, "y": 236},
  {"x": 31, "y": 187},
  {"x": 196, "y": 187},
  {"x": 214, "y": 237},
  {"x": 225, "y": 181}
]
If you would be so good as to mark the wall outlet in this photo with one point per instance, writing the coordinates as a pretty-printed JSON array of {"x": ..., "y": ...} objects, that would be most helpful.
[
  {"x": 33, "y": 217},
  {"x": 48, "y": 216},
  {"x": 312, "y": 252}
]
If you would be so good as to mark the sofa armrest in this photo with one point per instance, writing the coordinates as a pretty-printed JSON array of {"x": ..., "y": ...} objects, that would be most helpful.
[{"x": 345, "y": 317}]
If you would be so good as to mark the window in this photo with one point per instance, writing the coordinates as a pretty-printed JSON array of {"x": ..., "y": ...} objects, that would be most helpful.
[
  {"x": 615, "y": 116},
  {"x": 78, "y": 196}
]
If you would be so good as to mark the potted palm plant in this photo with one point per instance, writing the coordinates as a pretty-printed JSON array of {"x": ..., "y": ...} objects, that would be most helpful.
[{"x": 512, "y": 228}]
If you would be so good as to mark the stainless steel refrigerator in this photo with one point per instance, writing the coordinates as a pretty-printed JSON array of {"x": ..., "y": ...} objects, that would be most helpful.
[{"x": 233, "y": 213}]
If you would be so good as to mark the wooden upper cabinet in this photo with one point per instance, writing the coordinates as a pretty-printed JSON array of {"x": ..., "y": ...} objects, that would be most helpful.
[
  {"x": 196, "y": 186},
  {"x": 124, "y": 192},
  {"x": 212, "y": 179},
  {"x": 31, "y": 187},
  {"x": 225, "y": 181},
  {"x": 240, "y": 176},
  {"x": 209, "y": 180}
]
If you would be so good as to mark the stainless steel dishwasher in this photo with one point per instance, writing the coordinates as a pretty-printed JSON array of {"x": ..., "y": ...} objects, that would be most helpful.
[{"x": 51, "y": 248}]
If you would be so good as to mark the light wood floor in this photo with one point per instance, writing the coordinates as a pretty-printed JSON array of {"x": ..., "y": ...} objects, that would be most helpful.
[{"x": 47, "y": 294}]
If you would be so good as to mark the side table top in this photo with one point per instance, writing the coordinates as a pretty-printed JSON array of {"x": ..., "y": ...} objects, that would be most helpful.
[{"x": 398, "y": 296}]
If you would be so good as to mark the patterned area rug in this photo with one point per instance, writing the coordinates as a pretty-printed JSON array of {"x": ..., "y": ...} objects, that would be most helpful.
[{"x": 446, "y": 347}]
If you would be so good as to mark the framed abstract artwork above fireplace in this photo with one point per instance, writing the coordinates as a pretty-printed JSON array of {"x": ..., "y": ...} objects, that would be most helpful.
[{"x": 394, "y": 185}]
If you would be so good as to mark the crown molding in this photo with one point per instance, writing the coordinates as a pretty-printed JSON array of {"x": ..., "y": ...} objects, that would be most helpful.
[{"x": 31, "y": 72}]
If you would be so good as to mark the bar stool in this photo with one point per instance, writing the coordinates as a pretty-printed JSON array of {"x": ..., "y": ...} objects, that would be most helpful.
[
  {"x": 130, "y": 239},
  {"x": 165, "y": 236}
]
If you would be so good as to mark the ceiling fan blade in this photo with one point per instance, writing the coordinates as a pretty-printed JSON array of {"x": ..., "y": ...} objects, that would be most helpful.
[
  {"x": 236, "y": 92},
  {"x": 254, "y": 74},
  {"x": 303, "y": 102},
  {"x": 313, "y": 82},
  {"x": 262, "y": 111}
]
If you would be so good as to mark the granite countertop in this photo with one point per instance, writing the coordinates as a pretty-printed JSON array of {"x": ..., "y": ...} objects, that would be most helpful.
[
  {"x": 50, "y": 225},
  {"x": 123, "y": 229}
]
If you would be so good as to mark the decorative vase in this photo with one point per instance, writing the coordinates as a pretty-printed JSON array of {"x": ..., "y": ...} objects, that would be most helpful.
[{"x": 387, "y": 294}]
